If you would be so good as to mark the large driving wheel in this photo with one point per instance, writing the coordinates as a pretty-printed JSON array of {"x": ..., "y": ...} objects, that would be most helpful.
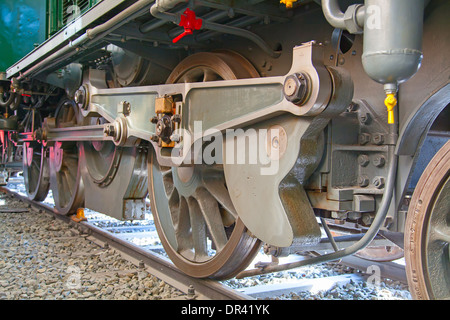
[
  {"x": 65, "y": 176},
  {"x": 427, "y": 231},
  {"x": 194, "y": 216}
]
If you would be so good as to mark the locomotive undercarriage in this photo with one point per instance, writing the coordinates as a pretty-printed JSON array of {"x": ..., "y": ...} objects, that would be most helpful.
[{"x": 128, "y": 114}]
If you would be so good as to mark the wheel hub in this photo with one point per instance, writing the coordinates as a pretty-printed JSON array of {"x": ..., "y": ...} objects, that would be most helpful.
[
  {"x": 29, "y": 155},
  {"x": 186, "y": 180},
  {"x": 58, "y": 156}
]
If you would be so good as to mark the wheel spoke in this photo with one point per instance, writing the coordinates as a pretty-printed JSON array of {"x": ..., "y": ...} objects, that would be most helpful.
[
  {"x": 209, "y": 75},
  {"x": 182, "y": 225},
  {"x": 211, "y": 214},
  {"x": 440, "y": 233},
  {"x": 198, "y": 227},
  {"x": 216, "y": 188},
  {"x": 168, "y": 182},
  {"x": 68, "y": 177}
]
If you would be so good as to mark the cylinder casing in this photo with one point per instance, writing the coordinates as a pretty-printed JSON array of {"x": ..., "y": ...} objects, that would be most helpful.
[{"x": 392, "y": 39}]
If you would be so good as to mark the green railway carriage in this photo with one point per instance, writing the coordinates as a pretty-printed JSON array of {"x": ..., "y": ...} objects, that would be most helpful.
[{"x": 25, "y": 24}]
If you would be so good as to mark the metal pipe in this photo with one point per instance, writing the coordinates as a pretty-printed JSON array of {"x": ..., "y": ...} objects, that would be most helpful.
[
  {"x": 242, "y": 33},
  {"x": 152, "y": 25},
  {"x": 352, "y": 20},
  {"x": 364, "y": 241},
  {"x": 329, "y": 235},
  {"x": 333, "y": 13},
  {"x": 8, "y": 101},
  {"x": 214, "y": 16},
  {"x": 175, "y": 18},
  {"x": 239, "y": 23}
]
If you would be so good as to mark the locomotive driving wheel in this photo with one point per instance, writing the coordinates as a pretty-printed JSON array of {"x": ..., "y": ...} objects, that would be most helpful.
[
  {"x": 65, "y": 177},
  {"x": 194, "y": 216},
  {"x": 427, "y": 231},
  {"x": 36, "y": 173}
]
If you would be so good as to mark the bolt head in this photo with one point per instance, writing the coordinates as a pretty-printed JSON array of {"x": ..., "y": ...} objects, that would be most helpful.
[
  {"x": 296, "y": 88},
  {"x": 378, "y": 182},
  {"x": 379, "y": 161},
  {"x": 364, "y": 138},
  {"x": 175, "y": 137},
  {"x": 364, "y": 118},
  {"x": 290, "y": 86},
  {"x": 363, "y": 181},
  {"x": 79, "y": 97},
  {"x": 378, "y": 138},
  {"x": 363, "y": 160}
]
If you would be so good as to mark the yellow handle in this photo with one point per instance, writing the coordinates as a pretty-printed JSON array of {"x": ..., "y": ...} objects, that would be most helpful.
[
  {"x": 288, "y": 3},
  {"x": 390, "y": 102}
]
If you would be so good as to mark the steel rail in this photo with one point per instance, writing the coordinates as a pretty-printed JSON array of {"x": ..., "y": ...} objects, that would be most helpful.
[{"x": 205, "y": 289}]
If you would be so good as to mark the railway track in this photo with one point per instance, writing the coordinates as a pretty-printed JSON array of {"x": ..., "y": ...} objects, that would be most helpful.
[{"x": 138, "y": 242}]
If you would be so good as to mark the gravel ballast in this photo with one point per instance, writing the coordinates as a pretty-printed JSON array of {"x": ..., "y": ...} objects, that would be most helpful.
[{"x": 44, "y": 258}]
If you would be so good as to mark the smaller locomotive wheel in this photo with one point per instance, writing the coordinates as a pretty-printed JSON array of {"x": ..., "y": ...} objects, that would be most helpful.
[
  {"x": 36, "y": 171},
  {"x": 427, "y": 231},
  {"x": 65, "y": 177}
]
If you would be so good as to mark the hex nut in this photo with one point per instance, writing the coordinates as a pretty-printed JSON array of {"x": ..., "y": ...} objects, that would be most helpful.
[
  {"x": 363, "y": 181},
  {"x": 379, "y": 161},
  {"x": 350, "y": 21},
  {"x": 364, "y": 118},
  {"x": 81, "y": 97},
  {"x": 364, "y": 138},
  {"x": 378, "y": 138},
  {"x": 367, "y": 218},
  {"x": 363, "y": 160},
  {"x": 378, "y": 182},
  {"x": 295, "y": 88}
]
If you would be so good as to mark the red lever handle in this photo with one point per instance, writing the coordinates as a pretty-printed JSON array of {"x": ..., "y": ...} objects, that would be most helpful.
[
  {"x": 185, "y": 33},
  {"x": 190, "y": 22}
]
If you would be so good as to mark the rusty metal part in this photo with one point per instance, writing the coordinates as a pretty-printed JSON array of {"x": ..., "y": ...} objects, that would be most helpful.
[
  {"x": 427, "y": 232},
  {"x": 380, "y": 253}
]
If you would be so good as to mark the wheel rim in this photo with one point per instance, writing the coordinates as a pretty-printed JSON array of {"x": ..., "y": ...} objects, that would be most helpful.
[
  {"x": 194, "y": 216},
  {"x": 437, "y": 245},
  {"x": 427, "y": 231},
  {"x": 65, "y": 176}
]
